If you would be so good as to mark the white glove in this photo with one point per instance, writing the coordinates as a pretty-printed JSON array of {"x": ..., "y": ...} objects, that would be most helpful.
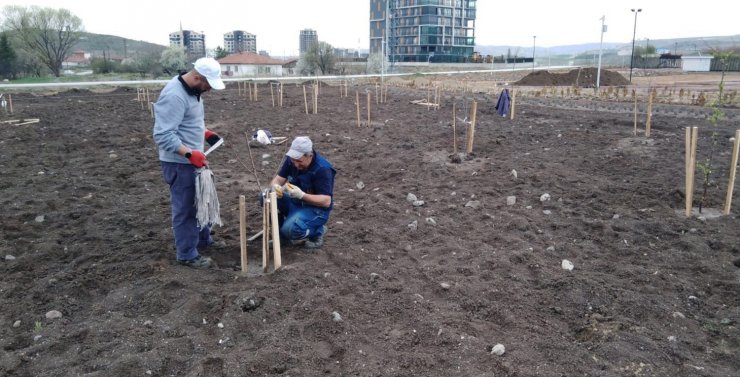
[
  {"x": 278, "y": 190},
  {"x": 294, "y": 191}
]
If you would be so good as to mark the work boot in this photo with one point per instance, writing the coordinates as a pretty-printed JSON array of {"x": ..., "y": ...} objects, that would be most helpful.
[
  {"x": 318, "y": 241},
  {"x": 197, "y": 262},
  {"x": 217, "y": 245}
]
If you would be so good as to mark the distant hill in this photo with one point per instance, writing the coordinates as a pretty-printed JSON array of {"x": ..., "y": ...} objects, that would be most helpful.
[
  {"x": 682, "y": 46},
  {"x": 97, "y": 44}
]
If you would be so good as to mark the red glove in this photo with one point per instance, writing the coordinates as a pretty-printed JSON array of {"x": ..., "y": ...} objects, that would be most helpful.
[
  {"x": 197, "y": 158},
  {"x": 212, "y": 137}
]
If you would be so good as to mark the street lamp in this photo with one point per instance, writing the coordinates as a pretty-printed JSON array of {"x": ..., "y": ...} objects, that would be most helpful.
[
  {"x": 634, "y": 32},
  {"x": 534, "y": 43}
]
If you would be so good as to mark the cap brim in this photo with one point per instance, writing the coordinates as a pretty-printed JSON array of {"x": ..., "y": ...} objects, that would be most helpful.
[
  {"x": 216, "y": 84},
  {"x": 294, "y": 154}
]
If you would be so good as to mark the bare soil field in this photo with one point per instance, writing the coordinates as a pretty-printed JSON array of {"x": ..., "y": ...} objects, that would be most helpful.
[{"x": 398, "y": 289}]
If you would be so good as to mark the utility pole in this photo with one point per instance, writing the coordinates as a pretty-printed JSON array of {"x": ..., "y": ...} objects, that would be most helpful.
[
  {"x": 601, "y": 41},
  {"x": 634, "y": 32},
  {"x": 534, "y": 43}
]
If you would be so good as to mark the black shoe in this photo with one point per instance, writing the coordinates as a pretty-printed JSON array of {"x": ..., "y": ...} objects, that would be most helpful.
[
  {"x": 318, "y": 242},
  {"x": 197, "y": 262}
]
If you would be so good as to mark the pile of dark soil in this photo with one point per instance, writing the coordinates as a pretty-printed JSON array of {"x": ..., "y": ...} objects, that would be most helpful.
[{"x": 583, "y": 77}]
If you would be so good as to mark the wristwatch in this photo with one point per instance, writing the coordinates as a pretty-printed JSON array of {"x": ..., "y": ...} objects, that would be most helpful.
[{"x": 188, "y": 155}]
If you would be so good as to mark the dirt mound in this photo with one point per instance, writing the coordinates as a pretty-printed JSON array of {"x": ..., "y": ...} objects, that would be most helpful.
[{"x": 583, "y": 77}]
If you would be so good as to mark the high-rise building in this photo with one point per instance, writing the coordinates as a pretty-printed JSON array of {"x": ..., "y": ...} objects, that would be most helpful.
[
  {"x": 194, "y": 43},
  {"x": 308, "y": 38},
  {"x": 239, "y": 41},
  {"x": 423, "y": 30}
]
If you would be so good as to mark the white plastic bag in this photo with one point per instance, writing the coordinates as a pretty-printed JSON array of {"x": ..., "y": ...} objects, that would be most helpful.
[{"x": 263, "y": 137}]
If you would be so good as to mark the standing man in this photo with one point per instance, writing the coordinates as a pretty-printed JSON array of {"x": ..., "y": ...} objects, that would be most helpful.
[
  {"x": 180, "y": 132},
  {"x": 307, "y": 180}
]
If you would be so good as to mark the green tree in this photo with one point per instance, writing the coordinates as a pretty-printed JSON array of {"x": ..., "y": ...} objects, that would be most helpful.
[
  {"x": 174, "y": 59},
  {"x": 320, "y": 56},
  {"x": 7, "y": 58},
  {"x": 221, "y": 53},
  {"x": 47, "y": 33}
]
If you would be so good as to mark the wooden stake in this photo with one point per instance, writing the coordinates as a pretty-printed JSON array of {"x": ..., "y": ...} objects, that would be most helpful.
[
  {"x": 281, "y": 94},
  {"x": 513, "y": 103},
  {"x": 649, "y": 113},
  {"x": 357, "y": 103},
  {"x": 272, "y": 95},
  {"x": 733, "y": 170},
  {"x": 305, "y": 99},
  {"x": 471, "y": 127},
  {"x": 265, "y": 232},
  {"x": 692, "y": 136},
  {"x": 138, "y": 94},
  {"x": 454, "y": 131},
  {"x": 243, "y": 230},
  {"x": 428, "y": 89},
  {"x": 368, "y": 108},
  {"x": 10, "y": 102},
  {"x": 239, "y": 88},
  {"x": 436, "y": 97},
  {"x": 249, "y": 90},
  {"x": 316, "y": 98},
  {"x": 256, "y": 92},
  {"x": 687, "y": 178},
  {"x": 275, "y": 231},
  {"x": 634, "y": 97},
  {"x": 377, "y": 97},
  {"x": 151, "y": 109}
]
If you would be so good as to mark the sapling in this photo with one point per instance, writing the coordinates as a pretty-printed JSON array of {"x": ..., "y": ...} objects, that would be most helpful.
[
  {"x": 705, "y": 167},
  {"x": 37, "y": 327}
]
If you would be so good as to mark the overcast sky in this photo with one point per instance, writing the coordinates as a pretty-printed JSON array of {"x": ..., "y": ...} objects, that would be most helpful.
[{"x": 345, "y": 23}]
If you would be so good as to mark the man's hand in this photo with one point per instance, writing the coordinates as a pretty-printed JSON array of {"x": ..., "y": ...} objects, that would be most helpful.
[
  {"x": 197, "y": 158},
  {"x": 212, "y": 137},
  {"x": 278, "y": 190},
  {"x": 294, "y": 191}
]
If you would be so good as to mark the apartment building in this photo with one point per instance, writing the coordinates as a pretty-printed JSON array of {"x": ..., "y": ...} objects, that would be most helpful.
[
  {"x": 423, "y": 30},
  {"x": 308, "y": 38},
  {"x": 239, "y": 41},
  {"x": 194, "y": 43}
]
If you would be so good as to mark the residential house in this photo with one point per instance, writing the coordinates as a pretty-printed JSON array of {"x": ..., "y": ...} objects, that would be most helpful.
[
  {"x": 250, "y": 64},
  {"x": 76, "y": 59}
]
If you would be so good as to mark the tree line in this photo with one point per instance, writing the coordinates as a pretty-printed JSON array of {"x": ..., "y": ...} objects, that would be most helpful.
[{"x": 35, "y": 41}]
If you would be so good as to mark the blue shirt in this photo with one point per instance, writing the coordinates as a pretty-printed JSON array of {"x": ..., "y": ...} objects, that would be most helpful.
[
  {"x": 317, "y": 179},
  {"x": 178, "y": 120}
]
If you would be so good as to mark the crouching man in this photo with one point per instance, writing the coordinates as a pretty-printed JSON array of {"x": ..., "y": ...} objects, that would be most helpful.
[{"x": 305, "y": 187}]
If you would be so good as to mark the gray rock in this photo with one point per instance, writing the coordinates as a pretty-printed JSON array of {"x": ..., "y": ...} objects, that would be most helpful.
[
  {"x": 474, "y": 204},
  {"x": 53, "y": 314},
  {"x": 39, "y": 219},
  {"x": 17, "y": 323},
  {"x": 336, "y": 316},
  {"x": 418, "y": 203},
  {"x": 414, "y": 225},
  {"x": 360, "y": 185},
  {"x": 510, "y": 200},
  {"x": 431, "y": 221},
  {"x": 9, "y": 257},
  {"x": 411, "y": 198}
]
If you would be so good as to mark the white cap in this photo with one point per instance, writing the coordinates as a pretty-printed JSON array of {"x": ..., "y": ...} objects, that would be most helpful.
[
  {"x": 300, "y": 146},
  {"x": 211, "y": 70}
]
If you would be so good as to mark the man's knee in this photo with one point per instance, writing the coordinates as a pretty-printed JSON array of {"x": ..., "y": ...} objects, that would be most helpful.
[{"x": 294, "y": 229}]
